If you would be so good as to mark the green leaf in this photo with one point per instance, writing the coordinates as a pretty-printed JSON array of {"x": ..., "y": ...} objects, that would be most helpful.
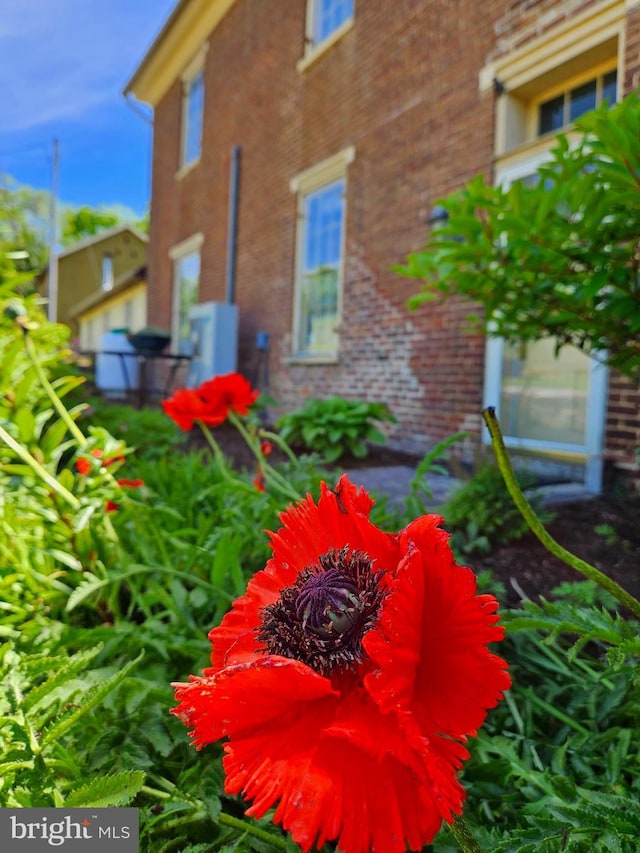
[
  {"x": 92, "y": 698},
  {"x": 63, "y": 673},
  {"x": 113, "y": 790},
  {"x": 26, "y": 422}
]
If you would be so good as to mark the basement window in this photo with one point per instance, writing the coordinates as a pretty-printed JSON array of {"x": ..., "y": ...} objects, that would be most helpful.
[{"x": 565, "y": 108}]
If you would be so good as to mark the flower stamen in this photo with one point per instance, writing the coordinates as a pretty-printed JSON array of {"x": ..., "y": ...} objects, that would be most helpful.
[{"x": 323, "y": 617}]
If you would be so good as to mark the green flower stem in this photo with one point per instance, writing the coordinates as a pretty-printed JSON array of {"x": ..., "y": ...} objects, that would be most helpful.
[
  {"x": 537, "y": 527},
  {"x": 462, "y": 834},
  {"x": 229, "y": 820},
  {"x": 282, "y": 444},
  {"x": 243, "y": 825},
  {"x": 219, "y": 457},
  {"x": 57, "y": 402},
  {"x": 215, "y": 447},
  {"x": 38, "y": 469},
  {"x": 270, "y": 474}
]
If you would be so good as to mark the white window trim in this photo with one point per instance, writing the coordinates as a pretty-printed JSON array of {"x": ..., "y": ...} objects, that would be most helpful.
[
  {"x": 313, "y": 49},
  {"x": 195, "y": 66},
  {"x": 186, "y": 247},
  {"x": 177, "y": 252},
  {"x": 591, "y": 453},
  {"x": 314, "y": 178},
  {"x": 540, "y": 64}
]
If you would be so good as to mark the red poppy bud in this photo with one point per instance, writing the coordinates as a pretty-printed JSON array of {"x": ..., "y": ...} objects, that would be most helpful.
[{"x": 83, "y": 466}]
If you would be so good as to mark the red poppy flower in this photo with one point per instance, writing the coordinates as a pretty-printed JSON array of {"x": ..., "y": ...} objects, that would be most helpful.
[
  {"x": 83, "y": 466},
  {"x": 230, "y": 391},
  {"x": 348, "y": 678},
  {"x": 185, "y": 407}
]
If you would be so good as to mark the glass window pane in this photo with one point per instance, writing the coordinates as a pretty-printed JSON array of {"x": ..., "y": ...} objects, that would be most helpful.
[
  {"x": 582, "y": 99},
  {"x": 610, "y": 87},
  {"x": 193, "y": 118},
  {"x": 186, "y": 281},
  {"x": 544, "y": 397},
  {"x": 322, "y": 256},
  {"x": 551, "y": 115},
  {"x": 330, "y": 14}
]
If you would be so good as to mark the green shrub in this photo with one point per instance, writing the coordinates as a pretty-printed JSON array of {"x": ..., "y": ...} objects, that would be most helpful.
[
  {"x": 149, "y": 431},
  {"x": 554, "y": 768},
  {"x": 334, "y": 427},
  {"x": 480, "y": 514}
]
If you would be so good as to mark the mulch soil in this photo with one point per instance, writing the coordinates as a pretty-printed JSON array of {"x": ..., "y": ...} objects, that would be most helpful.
[{"x": 525, "y": 567}]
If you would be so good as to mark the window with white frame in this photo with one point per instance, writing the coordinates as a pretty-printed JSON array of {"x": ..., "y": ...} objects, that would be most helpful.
[
  {"x": 186, "y": 282},
  {"x": 107, "y": 271},
  {"x": 551, "y": 404},
  {"x": 320, "y": 257},
  {"x": 327, "y": 16},
  {"x": 549, "y": 81},
  {"x": 192, "y": 116},
  {"x": 563, "y": 109},
  {"x": 327, "y": 22}
]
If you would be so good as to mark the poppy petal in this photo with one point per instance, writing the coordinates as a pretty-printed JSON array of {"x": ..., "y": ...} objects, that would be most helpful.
[
  {"x": 338, "y": 769},
  {"x": 340, "y": 517},
  {"x": 436, "y": 622}
]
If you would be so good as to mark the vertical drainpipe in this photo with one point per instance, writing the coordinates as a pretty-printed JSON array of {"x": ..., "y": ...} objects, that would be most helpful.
[{"x": 232, "y": 227}]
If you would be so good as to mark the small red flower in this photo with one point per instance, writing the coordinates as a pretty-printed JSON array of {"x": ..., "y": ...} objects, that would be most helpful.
[
  {"x": 131, "y": 484},
  {"x": 185, "y": 407},
  {"x": 211, "y": 402},
  {"x": 228, "y": 392},
  {"x": 83, "y": 466},
  {"x": 258, "y": 481},
  {"x": 349, "y": 677},
  {"x": 111, "y": 506},
  {"x": 266, "y": 448},
  {"x": 97, "y": 453}
]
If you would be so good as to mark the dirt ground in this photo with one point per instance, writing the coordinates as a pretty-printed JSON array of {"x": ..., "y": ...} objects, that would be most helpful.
[{"x": 604, "y": 531}]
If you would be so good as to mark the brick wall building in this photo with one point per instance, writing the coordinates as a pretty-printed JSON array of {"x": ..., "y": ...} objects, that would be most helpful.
[{"x": 351, "y": 118}]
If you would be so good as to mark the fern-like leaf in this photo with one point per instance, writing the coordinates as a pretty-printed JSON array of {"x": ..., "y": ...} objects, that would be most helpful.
[{"x": 116, "y": 789}]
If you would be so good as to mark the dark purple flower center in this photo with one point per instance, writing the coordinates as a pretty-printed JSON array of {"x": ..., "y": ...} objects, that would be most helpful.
[{"x": 323, "y": 617}]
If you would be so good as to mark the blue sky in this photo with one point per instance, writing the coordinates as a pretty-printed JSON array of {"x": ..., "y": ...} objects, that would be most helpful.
[{"x": 64, "y": 64}]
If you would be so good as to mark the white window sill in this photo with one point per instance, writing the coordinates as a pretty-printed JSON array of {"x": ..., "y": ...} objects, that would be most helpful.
[
  {"x": 186, "y": 168},
  {"x": 315, "y": 51},
  {"x": 311, "y": 360}
]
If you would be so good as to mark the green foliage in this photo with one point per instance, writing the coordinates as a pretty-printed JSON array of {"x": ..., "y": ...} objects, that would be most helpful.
[
  {"x": 555, "y": 767},
  {"x": 85, "y": 222},
  {"x": 555, "y": 258},
  {"x": 335, "y": 427},
  {"x": 102, "y": 611},
  {"x": 149, "y": 431},
  {"x": 480, "y": 513},
  {"x": 45, "y": 699},
  {"x": 23, "y": 231},
  {"x": 420, "y": 499}
]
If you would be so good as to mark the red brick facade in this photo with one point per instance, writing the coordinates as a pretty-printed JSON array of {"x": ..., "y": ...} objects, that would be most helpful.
[{"x": 402, "y": 88}]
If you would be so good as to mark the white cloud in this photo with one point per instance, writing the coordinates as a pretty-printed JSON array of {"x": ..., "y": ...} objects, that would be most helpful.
[{"x": 60, "y": 58}]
